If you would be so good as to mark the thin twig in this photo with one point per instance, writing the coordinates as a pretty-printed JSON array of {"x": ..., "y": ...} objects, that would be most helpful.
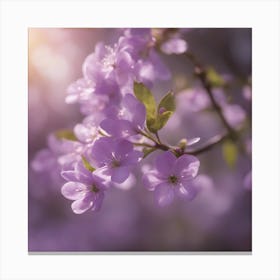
[
  {"x": 202, "y": 75},
  {"x": 157, "y": 136},
  {"x": 212, "y": 142}
]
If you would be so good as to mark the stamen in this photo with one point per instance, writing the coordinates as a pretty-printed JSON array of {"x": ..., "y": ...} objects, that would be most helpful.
[
  {"x": 115, "y": 163},
  {"x": 173, "y": 179},
  {"x": 94, "y": 189}
]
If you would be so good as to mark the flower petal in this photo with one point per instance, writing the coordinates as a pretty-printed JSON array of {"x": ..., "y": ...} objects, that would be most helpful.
[
  {"x": 165, "y": 162},
  {"x": 164, "y": 194},
  {"x": 100, "y": 180},
  {"x": 132, "y": 158},
  {"x": 150, "y": 180},
  {"x": 69, "y": 175},
  {"x": 101, "y": 151},
  {"x": 85, "y": 134},
  {"x": 128, "y": 184},
  {"x": 82, "y": 205},
  {"x": 187, "y": 191},
  {"x": 193, "y": 141},
  {"x": 124, "y": 65},
  {"x": 74, "y": 190},
  {"x": 139, "y": 116},
  {"x": 145, "y": 72},
  {"x": 99, "y": 197},
  {"x": 82, "y": 174},
  {"x": 136, "y": 111},
  {"x": 186, "y": 167},
  {"x": 118, "y": 128},
  {"x": 123, "y": 147},
  {"x": 120, "y": 174}
]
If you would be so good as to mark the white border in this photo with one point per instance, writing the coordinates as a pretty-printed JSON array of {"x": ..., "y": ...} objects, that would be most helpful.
[{"x": 17, "y": 16}]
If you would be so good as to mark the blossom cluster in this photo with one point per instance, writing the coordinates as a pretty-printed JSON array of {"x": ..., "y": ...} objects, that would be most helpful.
[{"x": 121, "y": 124}]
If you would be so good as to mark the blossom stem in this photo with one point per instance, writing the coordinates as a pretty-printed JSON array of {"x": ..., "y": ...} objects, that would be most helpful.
[
  {"x": 212, "y": 142},
  {"x": 158, "y": 144},
  {"x": 202, "y": 75},
  {"x": 143, "y": 144},
  {"x": 157, "y": 136},
  {"x": 232, "y": 134},
  {"x": 147, "y": 135}
]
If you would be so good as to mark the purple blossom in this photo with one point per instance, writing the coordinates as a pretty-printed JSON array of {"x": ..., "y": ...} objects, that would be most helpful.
[
  {"x": 137, "y": 41},
  {"x": 109, "y": 67},
  {"x": 174, "y": 46},
  {"x": 172, "y": 176},
  {"x": 234, "y": 114},
  {"x": 197, "y": 100},
  {"x": 247, "y": 92},
  {"x": 148, "y": 65},
  {"x": 127, "y": 120},
  {"x": 81, "y": 90},
  {"x": 192, "y": 100},
  {"x": 87, "y": 131},
  {"x": 93, "y": 99},
  {"x": 151, "y": 68},
  {"x": 60, "y": 153},
  {"x": 85, "y": 188},
  {"x": 44, "y": 160},
  {"x": 109, "y": 72},
  {"x": 115, "y": 157}
]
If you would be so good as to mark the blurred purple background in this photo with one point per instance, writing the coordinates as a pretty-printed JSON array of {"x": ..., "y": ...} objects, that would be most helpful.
[{"x": 219, "y": 219}]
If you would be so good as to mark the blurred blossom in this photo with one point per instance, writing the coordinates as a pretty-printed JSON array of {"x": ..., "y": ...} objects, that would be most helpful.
[
  {"x": 247, "y": 92},
  {"x": 192, "y": 100},
  {"x": 174, "y": 45},
  {"x": 234, "y": 114},
  {"x": 196, "y": 100}
]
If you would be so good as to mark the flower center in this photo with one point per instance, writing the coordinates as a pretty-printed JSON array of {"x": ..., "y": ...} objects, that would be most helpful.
[
  {"x": 172, "y": 179},
  {"x": 94, "y": 189},
  {"x": 115, "y": 163}
]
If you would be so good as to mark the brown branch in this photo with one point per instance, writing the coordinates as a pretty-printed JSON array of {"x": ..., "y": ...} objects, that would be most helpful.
[
  {"x": 202, "y": 75},
  {"x": 211, "y": 143}
]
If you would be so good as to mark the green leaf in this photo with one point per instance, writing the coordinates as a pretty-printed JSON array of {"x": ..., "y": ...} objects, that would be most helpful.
[
  {"x": 165, "y": 110},
  {"x": 167, "y": 103},
  {"x": 87, "y": 164},
  {"x": 66, "y": 134},
  {"x": 230, "y": 153},
  {"x": 144, "y": 95},
  {"x": 161, "y": 121},
  {"x": 151, "y": 124},
  {"x": 214, "y": 78},
  {"x": 156, "y": 117}
]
